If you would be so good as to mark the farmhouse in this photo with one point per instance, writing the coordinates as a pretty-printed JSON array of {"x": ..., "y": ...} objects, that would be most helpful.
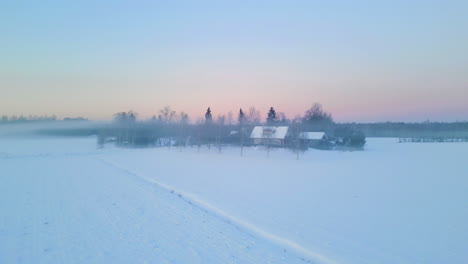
[
  {"x": 313, "y": 138},
  {"x": 269, "y": 135}
]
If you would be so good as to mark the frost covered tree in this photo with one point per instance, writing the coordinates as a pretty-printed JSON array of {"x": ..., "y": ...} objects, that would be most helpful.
[
  {"x": 183, "y": 123},
  {"x": 124, "y": 122},
  {"x": 167, "y": 119}
]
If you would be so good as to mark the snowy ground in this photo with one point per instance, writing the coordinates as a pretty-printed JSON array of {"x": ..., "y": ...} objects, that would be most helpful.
[{"x": 64, "y": 201}]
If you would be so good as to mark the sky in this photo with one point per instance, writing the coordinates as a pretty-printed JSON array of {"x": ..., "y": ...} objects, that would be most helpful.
[{"x": 364, "y": 61}]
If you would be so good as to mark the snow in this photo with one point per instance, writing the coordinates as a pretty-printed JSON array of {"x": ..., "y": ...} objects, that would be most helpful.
[
  {"x": 63, "y": 200},
  {"x": 62, "y": 203},
  {"x": 270, "y": 132}
]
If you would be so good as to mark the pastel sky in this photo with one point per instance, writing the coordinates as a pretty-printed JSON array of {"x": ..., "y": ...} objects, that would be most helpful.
[{"x": 363, "y": 60}]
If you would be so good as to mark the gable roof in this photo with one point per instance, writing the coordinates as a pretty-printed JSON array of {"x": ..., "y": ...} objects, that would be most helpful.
[
  {"x": 270, "y": 132},
  {"x": 311, "y": 135}
]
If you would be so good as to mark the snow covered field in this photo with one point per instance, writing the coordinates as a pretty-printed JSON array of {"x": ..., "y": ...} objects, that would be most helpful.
[{"x": 64, "y": 201}]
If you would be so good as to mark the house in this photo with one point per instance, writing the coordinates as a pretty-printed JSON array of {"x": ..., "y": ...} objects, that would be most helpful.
[
  {"x": 269, "y": 135},
  {"x": 313, "y": 138}
]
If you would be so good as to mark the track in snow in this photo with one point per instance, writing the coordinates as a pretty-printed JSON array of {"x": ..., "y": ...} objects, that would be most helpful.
[{"x": 286, "y": 244}]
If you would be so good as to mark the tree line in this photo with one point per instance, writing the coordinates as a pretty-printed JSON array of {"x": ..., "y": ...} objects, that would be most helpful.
[
  {"x": 26, "y": 119},
  {"x": 419, "y": 130},
  {"x": 14, "y": 119},
  {"x": 172, "y": 129},
  {"x": 169, "y": 128}
]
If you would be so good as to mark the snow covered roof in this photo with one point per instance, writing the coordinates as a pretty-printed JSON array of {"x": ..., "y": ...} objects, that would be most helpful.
[
  {"x": 278, "y": 132},
  {"x": 311, "y": 135}
]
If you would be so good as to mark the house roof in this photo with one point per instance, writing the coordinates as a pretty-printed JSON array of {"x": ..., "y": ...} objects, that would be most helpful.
[
  {"x": 311, "y": 135},
  {"x": 270, "y": 132}
]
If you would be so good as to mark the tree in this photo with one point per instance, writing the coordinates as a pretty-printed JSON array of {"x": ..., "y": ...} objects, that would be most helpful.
[
  {"x": 317, "y": 114},
  {"x": 295, "y": 131},
  {"x": 125, "y": 117},
  {"x": 131, "y": 117},
  {"x": 208, "y": 116},
  {"x": 348, "y": 136},
  {"x": 125, "y": 122},
  {"x": 229, "y": 118},
  {"x": 254, "y": 116},
  {"x": 282, "y": 119},
  {"x": 317, "y": 118},
  {"x": 241, "y": 119},
  {"x": 271, "y": 118},
  {"x": 220, "y": 121},
  {"x": 166, "y": 114},
  {"x": 208, "y": 133},
  {"x": 120, "y": 117},
  {"x": 183, "y": 122}
]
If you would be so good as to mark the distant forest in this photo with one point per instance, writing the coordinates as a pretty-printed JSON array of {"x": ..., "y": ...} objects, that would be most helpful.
[
  {"x": 34, "y": 118},
  {"x": 425, "y": 129}
]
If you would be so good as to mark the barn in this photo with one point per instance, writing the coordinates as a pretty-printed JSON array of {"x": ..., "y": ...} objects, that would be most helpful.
[
  {"x": 313, "y": 138},
  {"x": 269, "y": 135}
]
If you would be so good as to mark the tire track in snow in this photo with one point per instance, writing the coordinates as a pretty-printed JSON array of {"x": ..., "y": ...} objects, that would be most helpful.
[{"x": 307, "y": 255}]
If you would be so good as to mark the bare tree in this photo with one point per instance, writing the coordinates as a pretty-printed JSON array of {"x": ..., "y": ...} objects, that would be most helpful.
[
  {"x": 253, "y": 116},
  {"x": 200, "y": 125},
  {"x": 297, "y": 128},
  {"x": 167, "y": 115},
  {"x": 282, "y": 119},
  {"x": 183, "y": 122},
  {"x": 220, "y": 120},
  {"x": 229, "y": 118},
  {"x": 317, "y": 118}
]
